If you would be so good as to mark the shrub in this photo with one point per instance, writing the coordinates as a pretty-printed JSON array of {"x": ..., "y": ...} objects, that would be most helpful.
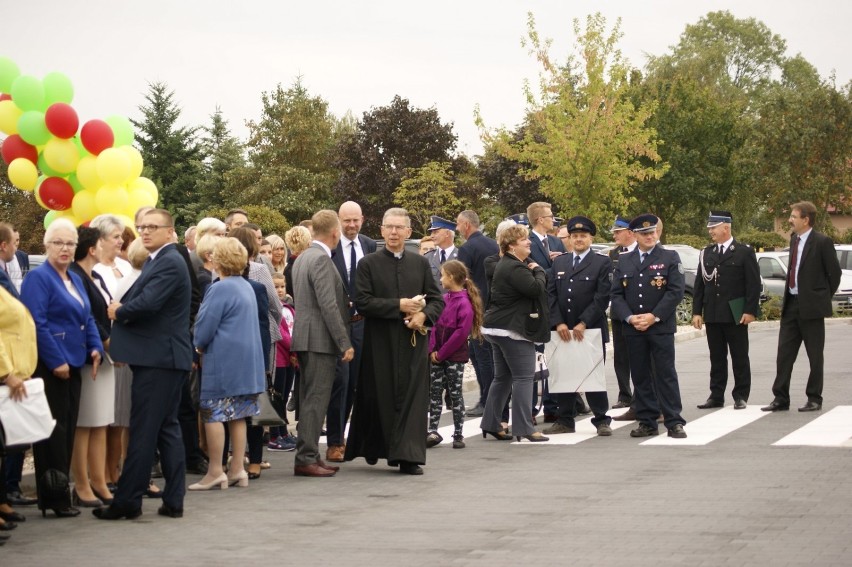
[
  {"x": 688, "y": 239},
  {"x": 269, "y": 220},
  {"x": 761, "y": 239},
  {"x": 771, "y": 309}
]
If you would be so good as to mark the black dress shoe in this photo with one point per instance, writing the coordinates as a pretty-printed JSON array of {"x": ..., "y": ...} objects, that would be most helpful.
[
  {"x": 66, "y": 512},
  {"x": 739, "y": 404},
  {"x": 8, "y": 526},
  {"x": 15, "y": 498},
  {"x": 776, "y": 406},
  {"x": 168, "y": 511},
  {"x": 711, "y": 403},
  {"x": 12, "y": 516},
  {"x": 644, "y": 431},
  {"x": 410, "y": 468},
  {"x": 811, "y": 406},
  {"x": 371, "y": 460},
  {"x": 677, "y": 432},
  {"x": 475, "y": 411},
  {"x": 112, "y": 513}
]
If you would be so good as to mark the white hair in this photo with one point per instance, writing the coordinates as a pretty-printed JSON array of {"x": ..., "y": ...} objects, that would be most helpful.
[
  {"x": 503, "y": 226},
  {"x": 208, "y": 224},
  {"x": 56, "y": 226},
  {"x": 106, "y": 224}
]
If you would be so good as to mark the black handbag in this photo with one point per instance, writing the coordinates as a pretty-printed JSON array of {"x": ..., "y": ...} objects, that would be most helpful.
[
  {"x": 54, "y": 486},
  {"x": 273, "y": 407}
]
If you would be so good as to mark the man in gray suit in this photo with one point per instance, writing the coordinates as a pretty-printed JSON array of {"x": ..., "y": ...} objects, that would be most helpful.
[
  {"x": 320, "y": 336},
  {"x": 443, "y": 233}
]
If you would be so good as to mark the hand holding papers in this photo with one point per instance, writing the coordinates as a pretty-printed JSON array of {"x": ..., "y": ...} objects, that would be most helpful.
[{"x": 576, "y": 366}]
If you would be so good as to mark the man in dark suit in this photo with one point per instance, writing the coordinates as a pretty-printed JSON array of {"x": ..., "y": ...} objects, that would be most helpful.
[
  {"x": 813, "y": 276},
  {"x": 647, "y": 287},
  {"x": 320, "y": 338},
  {"x": 578, "y": 290},
  {"x": 151, "y": 333},
  {"x": 543, "y": 246},
  {"x": 443, "y": 234},
  {"x": 727, "y": 298},
  {"x": 350, "y": 250},
  {"x": 476, "y": 248}
]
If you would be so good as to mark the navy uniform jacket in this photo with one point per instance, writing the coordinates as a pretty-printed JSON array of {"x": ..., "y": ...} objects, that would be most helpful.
[
  {"x": 434, "y": 257},
  {"x": 473, "y": 254},
  {"x": 580, "y": 295},
  {"x": 152, "y": 325},
  {"x": 655, "y": 286},
  {"x": 737, "y": 275},
  {"x": 539, "y": 256}
]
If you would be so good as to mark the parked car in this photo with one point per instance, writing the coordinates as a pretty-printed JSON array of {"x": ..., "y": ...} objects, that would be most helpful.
[
  {"x": 602, "y": 247},
  {"x": 689, "y": 259},
  {"x": 773, "y": 270},
  {"x": 844, "y": 256}
]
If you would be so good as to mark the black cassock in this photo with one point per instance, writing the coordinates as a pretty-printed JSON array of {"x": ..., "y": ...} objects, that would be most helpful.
[{"x": 392, "y": 397}]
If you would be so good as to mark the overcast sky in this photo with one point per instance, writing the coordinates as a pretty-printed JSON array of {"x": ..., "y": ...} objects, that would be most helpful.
[{"x": 357, "y": 55}]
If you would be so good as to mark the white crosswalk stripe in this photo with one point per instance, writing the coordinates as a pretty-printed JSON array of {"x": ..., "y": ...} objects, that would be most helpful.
[
  {"x": 831, "y": 429},
  {"x": 710, "y": 427}
]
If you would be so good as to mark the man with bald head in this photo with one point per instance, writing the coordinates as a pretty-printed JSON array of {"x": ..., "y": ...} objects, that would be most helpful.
[{"x": 352, "y": 247}]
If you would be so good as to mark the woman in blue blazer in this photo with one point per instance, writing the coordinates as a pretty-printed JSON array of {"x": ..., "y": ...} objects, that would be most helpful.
[{"x": 65, "y": 334}]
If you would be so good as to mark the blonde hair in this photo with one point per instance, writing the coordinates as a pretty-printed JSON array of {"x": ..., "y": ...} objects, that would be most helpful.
[
  {"x": 230, "y": 256},
  {"x": 536, "y": 210},
  {"x": 137, "y": 254},
  {"x": 511, "y": 235},
  {"x": 324, "y": 222},
  {"x": 205, "y": 245},
  {"x": 208, "y": 225},
  {"x": 298, "y": 239}
]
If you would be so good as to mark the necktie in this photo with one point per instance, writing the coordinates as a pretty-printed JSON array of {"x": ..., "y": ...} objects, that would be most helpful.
[
  {"x": 443, "y": 256},
  {"x": 352, "y": 263},
  {"x": 546, "y": 245},
  {"x": 576, "y": 261},
  {"x": 624, "y": 248},
  {"x": 644, "y": 257},
  {"x": 721, "y": 249},
  {"x": 794, "y": 257}
]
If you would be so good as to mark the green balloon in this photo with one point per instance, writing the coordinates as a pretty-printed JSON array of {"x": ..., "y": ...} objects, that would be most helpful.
[
  {"x": 27, "y": 93},
  {"x": 57, "y": 88},
  {"x": 75, "y": 183},
  {"x": 50, "y": 217},
  {"x": 81, "y": 149},
  {"x": 46, "y": 169},
  {"x": 8, "y": 73},
  {"x": 122, "y": 129},
  {"x": 32, "y": 128}
]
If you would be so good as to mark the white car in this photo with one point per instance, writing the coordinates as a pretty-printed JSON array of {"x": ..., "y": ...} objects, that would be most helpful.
[{"x": 773, "y": 270}]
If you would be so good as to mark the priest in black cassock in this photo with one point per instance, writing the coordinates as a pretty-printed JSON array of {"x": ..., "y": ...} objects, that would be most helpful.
[{"x": 399, "y": 298}]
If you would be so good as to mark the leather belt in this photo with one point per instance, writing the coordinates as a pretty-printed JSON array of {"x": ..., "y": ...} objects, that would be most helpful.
[{"x": 356, "y": 318}]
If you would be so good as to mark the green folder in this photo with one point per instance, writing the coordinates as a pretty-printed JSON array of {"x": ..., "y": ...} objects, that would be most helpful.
[{"x": 737, "y": 305}]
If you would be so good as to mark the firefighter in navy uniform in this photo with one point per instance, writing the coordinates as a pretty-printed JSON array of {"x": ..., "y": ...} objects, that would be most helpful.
[
  {"x": 625, "y": 243},
  {"x": 647, "y": 287}
]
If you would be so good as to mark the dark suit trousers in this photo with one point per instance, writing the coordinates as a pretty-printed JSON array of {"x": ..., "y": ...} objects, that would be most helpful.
[
  {"x": 188, "y": 417},
  {"x": 314, "y": 392},
  {"x": 793, "y": 331},
  {"x": 483, "y": 364},
  {"x": 652, "y": 364},
  {"x": 621, "y": 362},
  {"x": 63, "y": 398},
  {"x": 722, "y": 337},
  {"x": 343, "y": 390},
  {"x": 154, "y": 425}
]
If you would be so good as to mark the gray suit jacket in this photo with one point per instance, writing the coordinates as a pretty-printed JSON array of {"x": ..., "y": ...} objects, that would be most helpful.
[
  {"x": 322, "y": 307},
  {"x": 434, "y": 257}
]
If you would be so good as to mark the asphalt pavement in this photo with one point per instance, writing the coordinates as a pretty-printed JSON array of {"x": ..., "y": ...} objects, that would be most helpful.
[{"x": 749, "y": 489}]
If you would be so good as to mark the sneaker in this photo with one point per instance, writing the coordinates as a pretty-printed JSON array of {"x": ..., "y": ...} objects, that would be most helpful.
[
  {"x": 458, "y": 442},
  {"x": 284, "y": 444},
  {"x": 604, "y": 430},
  {"x": 559, "y": 428}
]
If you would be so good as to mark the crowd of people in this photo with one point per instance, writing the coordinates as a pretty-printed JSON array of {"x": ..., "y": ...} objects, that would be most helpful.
[{"x": 156, "y": 356}]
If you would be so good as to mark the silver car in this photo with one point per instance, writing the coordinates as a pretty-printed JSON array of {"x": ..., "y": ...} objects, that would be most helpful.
[{"x": 773, "y": 270}]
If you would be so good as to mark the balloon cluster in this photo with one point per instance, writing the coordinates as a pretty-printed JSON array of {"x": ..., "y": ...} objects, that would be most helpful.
[{"x": 74, "y": 172}]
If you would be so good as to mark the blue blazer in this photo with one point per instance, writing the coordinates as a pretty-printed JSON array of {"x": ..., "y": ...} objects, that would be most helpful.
[
  {"x": 66, "y": 332},
  {"x": 227, "y": 330},
  {"x": 152, "y": 324},
  {"x": 473, "y": 254},
  {"x": 539, "y": 256}
]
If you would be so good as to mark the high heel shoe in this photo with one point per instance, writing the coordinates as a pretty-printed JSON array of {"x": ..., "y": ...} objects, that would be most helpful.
[
  {"x": 107, "y": 500},
  {"x": 221, "y": 481},
  {"x": 240, "y": 480},
  {"x": 498, "y": 435},
  {"x": 535, "y": 437},
  {"x": 77, "y": 501}
]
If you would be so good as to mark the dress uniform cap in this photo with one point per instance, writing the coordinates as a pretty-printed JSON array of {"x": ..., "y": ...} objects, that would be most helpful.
[
  {"x": 644, "y": 223},
  {"x": 520, "y": 218},
  {"x": 620, "y": 223},
  {"x": 718, "y": 217},
  {"x": 582, "y": 224},
  {"x": 439, "y": 223},
  {"x": 557, "y": 221}
]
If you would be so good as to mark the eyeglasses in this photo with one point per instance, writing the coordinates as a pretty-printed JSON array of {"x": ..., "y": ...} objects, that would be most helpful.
[
  {"x": 395, "y": 227},
  {"x": 60, "y": 244},
  {"x": 151, "y": 227}
]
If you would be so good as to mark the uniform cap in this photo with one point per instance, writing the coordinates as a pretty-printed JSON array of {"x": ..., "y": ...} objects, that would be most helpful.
[{"x": 644, "y": 223}]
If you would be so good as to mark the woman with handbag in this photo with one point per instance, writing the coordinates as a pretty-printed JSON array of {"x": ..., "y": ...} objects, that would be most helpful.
[
  {"x": 227, "y": 335},
  {"x": 516, "y": 318},
  {"x": 18, "y": 359},
  {"x": 66, "y": 333}
]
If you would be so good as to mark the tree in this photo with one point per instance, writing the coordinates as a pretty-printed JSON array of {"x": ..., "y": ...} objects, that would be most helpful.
[
  {"x": 268, "y": 219},
  {"x": 504, "y": 180},
  {"x": 223, "y": 154},
  {"x": 388, "y": 140},
  {"x": 21, "y": 210},
  {"x": 587, "y": 143},
  {"x": 428, "y": 190},
  {"x": 289, "y": 152},
  {"x": 171, "y": 153}
]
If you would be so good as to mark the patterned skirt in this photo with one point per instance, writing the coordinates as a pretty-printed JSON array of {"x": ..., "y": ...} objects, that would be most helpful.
[{"x": 231, "y": 408}]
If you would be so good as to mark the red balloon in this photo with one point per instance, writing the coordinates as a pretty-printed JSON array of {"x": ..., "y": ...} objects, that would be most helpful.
[
  {"x": 5, "y": 96},
  {"x": 61, "y": 120},
  {"x": 56, "y": 193},
  {"x": 14, "y": 147},
  {"x": 96, "y": 136}
]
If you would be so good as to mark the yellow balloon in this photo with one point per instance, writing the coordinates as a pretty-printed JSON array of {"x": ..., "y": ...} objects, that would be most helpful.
[
  {"x": 113, "y": 166},
  {"x": 147, "y": 185},
  {"x": 75, "y": 220},
  {"x": 136, "y": 162},
  {"x": 9, "y": 115},
  {"x": 111, "y": 199},
  {"x": 127, "y": 220},
  {"x": 87, "y": 173},
  {"x": 84, "y": 206},
  {"x": 61, "y": 155},
  {"x": 140, "y": 198},
  {"x": 23, "y": 174},
  {"x": 38, "y": 197}
]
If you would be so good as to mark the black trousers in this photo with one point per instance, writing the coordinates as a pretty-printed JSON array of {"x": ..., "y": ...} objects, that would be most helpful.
[
  {"x": 343, "y": 389},
  {"x": 722, "y": 338},
  {"x": 621, "y": 362},
  {"x": 652, "y": 363},
  {"x": 794, "y": 331},
  {"x": 63, "y": 398}
]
